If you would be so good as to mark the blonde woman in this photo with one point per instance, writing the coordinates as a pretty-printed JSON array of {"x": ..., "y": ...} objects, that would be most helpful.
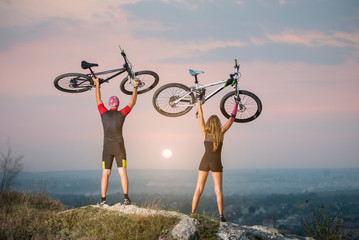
[{"x": 212, "y": 133}]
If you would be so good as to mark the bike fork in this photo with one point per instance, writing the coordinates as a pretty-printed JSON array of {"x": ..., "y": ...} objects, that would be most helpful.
[{"x": 238, "y": 99}]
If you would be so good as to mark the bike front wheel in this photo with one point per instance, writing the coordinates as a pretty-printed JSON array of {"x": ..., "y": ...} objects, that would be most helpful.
[
  {"x": 173, "y": 100},
  {"x": 249, "y": 108},
  {"x": 148, "y": 79},
  {"x": 73, "y": 82}
]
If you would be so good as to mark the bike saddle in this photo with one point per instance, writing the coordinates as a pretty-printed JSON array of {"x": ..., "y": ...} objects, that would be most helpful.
[
  {"x": 86, "y": 65},
  {"x": 194, "y": 72}
]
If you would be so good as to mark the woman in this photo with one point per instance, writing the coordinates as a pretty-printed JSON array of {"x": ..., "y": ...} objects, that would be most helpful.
[{"x": 212, "y": 133}]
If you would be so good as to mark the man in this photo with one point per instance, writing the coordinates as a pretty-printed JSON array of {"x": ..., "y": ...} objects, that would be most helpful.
[{"x": 113, "y": 147}]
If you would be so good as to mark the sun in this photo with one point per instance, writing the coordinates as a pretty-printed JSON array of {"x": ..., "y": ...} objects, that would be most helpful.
[{"x": 167, "y": 153}]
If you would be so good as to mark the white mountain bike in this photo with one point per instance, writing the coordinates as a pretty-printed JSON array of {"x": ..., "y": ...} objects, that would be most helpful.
[{"x": 176, "y": 99}]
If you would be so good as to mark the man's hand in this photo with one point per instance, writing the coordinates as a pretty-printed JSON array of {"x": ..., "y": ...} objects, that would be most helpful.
[
  {"x": 98, "y": 94},
  {"x": 134, "y": 94},
  {"x": 136, "y": 83},
  {"x": 95, "y": 80}
]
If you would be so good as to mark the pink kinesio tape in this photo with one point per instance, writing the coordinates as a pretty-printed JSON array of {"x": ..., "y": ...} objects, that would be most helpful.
[{"x": 234, "y": 112}]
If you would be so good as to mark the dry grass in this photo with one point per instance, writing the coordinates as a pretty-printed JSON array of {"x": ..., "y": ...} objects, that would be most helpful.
[
  {"x": 36, "y": 216},
  {"x": 22, "y": 215}
]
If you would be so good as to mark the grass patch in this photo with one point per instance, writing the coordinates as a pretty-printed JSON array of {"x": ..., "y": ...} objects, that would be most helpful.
[
  {"x": 96, "y": 223},
  {"x": 36, "y": 216},
  {"x": 208, "y": 226},
  {"x": 22, "y": 215}
]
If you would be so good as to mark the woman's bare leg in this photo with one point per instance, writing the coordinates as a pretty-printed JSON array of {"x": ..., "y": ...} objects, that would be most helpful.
[
  {"x": 217, "y": 179},
  {"x": 201, "y": 182}
]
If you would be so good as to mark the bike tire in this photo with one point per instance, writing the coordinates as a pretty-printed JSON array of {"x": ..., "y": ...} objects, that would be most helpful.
[
  {"x": 252, "y": 106},
  {"x": 73, "y": 82},
  {"x": 148, "y": 79},
  {"x": 166, "y": 94}
]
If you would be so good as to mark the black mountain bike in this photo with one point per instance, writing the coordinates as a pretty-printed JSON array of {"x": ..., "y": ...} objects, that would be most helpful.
[
  {"x": 78, "y": 82},
  {"x": 175, "y": 99}
]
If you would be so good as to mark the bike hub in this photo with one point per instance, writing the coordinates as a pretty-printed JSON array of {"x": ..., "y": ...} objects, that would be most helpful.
[{"x": 172, "y": 100}]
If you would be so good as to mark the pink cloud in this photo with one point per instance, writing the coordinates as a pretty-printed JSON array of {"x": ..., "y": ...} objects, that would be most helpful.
[
  {"x": 28, "y": 13},
  {"x": 316, "y": 39},
  {"x": 350, "y": 37}
]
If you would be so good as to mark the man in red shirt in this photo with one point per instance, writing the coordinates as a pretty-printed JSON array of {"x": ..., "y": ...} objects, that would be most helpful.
[{"x": 114, "y": 147}]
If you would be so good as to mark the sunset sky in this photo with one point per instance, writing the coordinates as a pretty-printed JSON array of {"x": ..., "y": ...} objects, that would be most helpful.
[{"x": 300, "y": 57}]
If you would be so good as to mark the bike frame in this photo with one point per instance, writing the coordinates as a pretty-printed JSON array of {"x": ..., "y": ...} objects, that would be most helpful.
[
  {"x": 230, "y": 81},
  {"x": 118, "y": 70}
]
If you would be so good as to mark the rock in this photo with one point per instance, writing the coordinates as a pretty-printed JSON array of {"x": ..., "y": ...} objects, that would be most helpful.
[
  {"x": 231, "y": 231},
  {"x": 186, "y": 229}
]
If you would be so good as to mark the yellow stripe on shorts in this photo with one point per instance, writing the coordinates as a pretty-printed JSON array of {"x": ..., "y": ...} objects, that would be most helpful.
[
  {"x": 123, "y": 162},
  {"x": 103, "y": 164}
]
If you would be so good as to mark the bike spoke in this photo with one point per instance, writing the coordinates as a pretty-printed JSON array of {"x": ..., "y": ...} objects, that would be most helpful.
[
  {"x": 248, "y": 108},
  {"x": 148, "y": 80},
  {"x": 74, "y": 83},
  {"x": 167, "y": 100},
  {"x": 173, "y": 100}
]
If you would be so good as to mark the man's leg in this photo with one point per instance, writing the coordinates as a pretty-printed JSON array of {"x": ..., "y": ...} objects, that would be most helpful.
[
  {"x": 104, "y": 183},
  {"x": 124, "y": 179},
  {"x": 124, "y": 182}
]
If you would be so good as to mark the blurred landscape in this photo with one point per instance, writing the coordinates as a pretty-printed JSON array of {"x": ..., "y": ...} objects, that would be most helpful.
[
  {"x": 242, "y": 181},
  {"x": 280, "y": 198}
]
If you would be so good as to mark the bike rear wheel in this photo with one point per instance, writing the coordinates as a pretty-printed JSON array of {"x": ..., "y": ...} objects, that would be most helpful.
[
  {"x": 73, "y": 82},
  {"x": 164, "y": 100},
  {"x": 248, "y": 110},
  {"x": 148, "y": 79}
]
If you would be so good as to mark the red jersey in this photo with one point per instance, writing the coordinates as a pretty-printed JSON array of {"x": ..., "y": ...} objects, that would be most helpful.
[
  {"x": 125, "y": 111},
  {"x": 112, "y": 121}
]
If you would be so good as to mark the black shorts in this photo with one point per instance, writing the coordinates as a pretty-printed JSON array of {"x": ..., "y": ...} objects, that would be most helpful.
[
  {"x": 215, "y": 165},
  {"x": 113, "y": 150}
]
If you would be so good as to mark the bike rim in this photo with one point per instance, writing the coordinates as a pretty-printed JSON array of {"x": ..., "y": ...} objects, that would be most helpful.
[
  {"x": 74, "y": 83},
  {"x": 147, "y": 80},
  {"x": 173, "y": 100},
  {"x": 247, "y": 109}
]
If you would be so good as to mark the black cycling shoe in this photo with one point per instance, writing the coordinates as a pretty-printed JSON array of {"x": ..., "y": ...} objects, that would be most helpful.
[
  {"x": 127, "y": 201},
  {"x": 222, "y": 219},
  {"x": 101, "y": 203}
]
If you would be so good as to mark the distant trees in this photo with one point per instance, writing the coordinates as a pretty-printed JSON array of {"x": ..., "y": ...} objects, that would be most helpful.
[
  {"x": 325, "y": 226},
  {"x": 10, "y": 167}
]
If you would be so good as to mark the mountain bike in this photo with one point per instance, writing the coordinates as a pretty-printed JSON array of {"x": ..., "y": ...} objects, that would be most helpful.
[
  {"x": 176, "y": 99},
  {"x": 78, "y": 82}
]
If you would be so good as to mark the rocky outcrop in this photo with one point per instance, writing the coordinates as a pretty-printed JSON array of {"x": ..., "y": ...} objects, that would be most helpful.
[
  {"x": 187, "y": 226},
  {"x": 185, "y": 229},
  {"x": 230, "y": 231}
]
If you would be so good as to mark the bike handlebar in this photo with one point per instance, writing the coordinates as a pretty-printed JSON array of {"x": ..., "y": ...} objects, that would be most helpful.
[
  {"x": 236, "y": 64},
  {"x": 127, "y": 65}
]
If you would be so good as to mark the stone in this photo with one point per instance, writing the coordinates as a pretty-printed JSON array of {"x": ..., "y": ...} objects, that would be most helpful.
[
  {"x": 231, "y": 231},
  {"x": 186, "y": 229}
]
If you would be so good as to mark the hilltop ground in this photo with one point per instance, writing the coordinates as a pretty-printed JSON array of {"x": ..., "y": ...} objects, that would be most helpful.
[{"x": 36, "y": 216}]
